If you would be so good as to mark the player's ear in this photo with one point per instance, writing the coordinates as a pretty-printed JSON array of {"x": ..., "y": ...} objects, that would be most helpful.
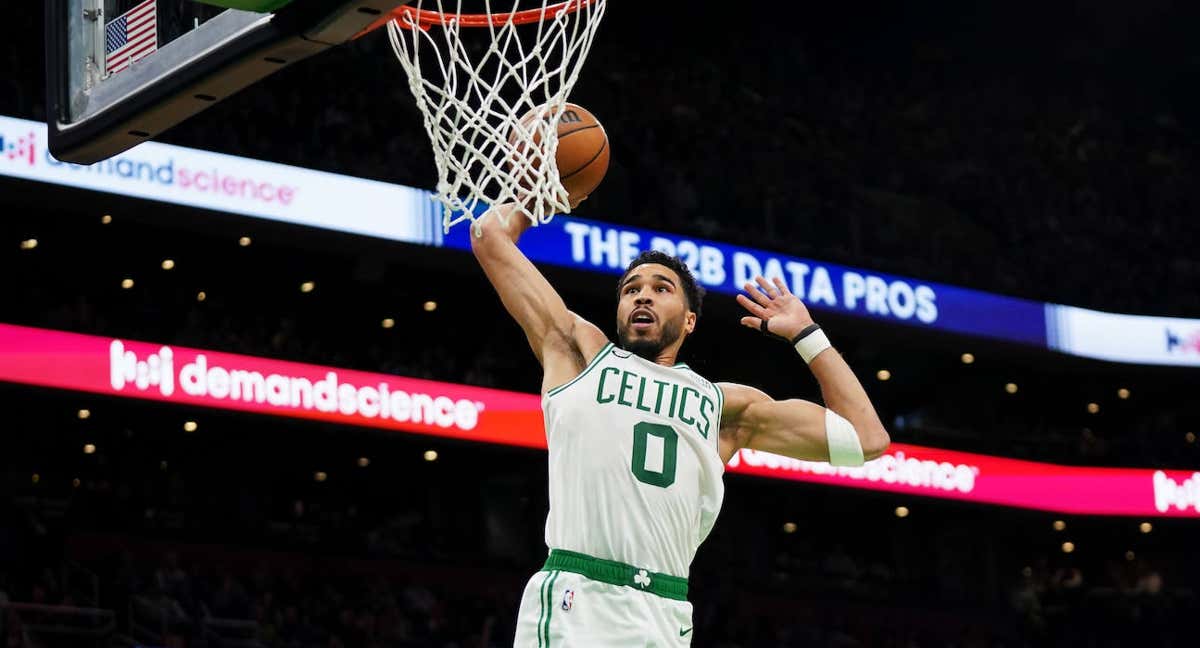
[{"x": 689, "y": 322}]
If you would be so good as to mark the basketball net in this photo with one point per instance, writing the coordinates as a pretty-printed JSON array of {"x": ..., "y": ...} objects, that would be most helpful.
[{"x": 479, "y": 96}]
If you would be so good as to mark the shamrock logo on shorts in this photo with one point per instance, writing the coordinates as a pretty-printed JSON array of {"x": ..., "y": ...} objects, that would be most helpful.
[{"x": 642, "y": 578}]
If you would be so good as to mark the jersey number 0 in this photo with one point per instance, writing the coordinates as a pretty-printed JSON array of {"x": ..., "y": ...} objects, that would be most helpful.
[{"x": 670, "y": 444}]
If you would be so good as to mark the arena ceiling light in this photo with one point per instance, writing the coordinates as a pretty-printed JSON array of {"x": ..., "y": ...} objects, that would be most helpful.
[
  {"x": 387, "y": 323},
  {"x": 307, "y": 287},
  {"x": 789, "y": 527},
  {"x": 106, "y": 219},
  {"x": 201, "y": 296},
  {"x": 84, "y": 414},
  {"x": 431, "y": 455},
  {"x": 168, "y": 264},
  {"x": 901, "y": 511},
  {"x": 190, "y": 426},
  {"x": 1093, "y": 408},
  {"x": 244, "y": 241},
  {"x": 883, "y": 374},
  {"x": 430, "y": 306},
  {"x": 1123, "y": 393},
  {"x": 29, "y": 244},
  {"x": 1011, "y": 388},
  {"x": 1145, "y": 527},
  {"x": 127, "y": 283},
  {"x": 1059, "y": 525},
  {"x": 968, "y": 358},
  {"x": 1068, "y": 547},
  {"x": 363, "y": 462}
]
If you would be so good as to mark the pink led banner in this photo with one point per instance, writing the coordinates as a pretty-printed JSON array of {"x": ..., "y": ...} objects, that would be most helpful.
[{"x": 236, "y": 382}]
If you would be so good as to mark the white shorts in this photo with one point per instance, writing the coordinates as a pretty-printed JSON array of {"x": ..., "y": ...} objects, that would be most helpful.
[{"x": 564, "y": 609}]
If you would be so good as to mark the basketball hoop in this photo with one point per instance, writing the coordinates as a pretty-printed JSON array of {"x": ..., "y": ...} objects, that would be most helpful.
[{"x": 491, "y": 100}]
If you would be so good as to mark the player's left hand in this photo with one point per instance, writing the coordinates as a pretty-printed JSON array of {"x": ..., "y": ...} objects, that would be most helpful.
[{"x": 785, "y": 314}]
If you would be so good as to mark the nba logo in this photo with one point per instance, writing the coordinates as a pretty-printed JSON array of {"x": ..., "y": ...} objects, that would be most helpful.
[{"x": 568, "y": 600}]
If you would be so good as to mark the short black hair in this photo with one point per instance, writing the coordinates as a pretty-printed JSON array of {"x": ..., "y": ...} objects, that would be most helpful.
[{"x": 693, "y": 291}]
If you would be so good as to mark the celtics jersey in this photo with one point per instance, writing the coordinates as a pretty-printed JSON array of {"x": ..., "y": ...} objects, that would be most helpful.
[{"x": 635, "y": 474}]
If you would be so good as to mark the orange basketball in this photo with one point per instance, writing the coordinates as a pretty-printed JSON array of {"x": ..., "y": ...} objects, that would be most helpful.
[{"x": 582, "y": 151}]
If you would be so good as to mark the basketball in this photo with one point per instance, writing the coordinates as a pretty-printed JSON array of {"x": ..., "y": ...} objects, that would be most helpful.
[{"x": 582, "y": 151}]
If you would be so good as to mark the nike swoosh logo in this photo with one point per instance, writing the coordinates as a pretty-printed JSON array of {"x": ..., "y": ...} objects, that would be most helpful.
[{"x": 683, "y": 633}]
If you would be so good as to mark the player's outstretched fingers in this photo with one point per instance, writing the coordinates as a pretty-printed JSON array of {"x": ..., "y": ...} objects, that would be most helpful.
[
  {"x": 782, "y": 286},
  {"x": 752, "y": 322},
  {"x": 753, "y": 307},
  {"x": 757, "y": 294},
  {"x": 766, "y": 286}
]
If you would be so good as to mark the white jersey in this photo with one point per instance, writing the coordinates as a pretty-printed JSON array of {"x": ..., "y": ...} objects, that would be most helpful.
[{"x": 635, "y": 473}]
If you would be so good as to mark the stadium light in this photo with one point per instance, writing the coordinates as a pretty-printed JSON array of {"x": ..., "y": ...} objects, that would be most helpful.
[
  {"x": 968, "y": 358},
  {"x": 168, "y": 264},
  {"x": 189, "y": 426},
  {"x": 1011, "y": 388},
  {"x": 320, "y": 476},
  {"x": 1190, "y": 437},
  {"x": 127, "y": 283},
  {"x": 1145, "y": 527},
  {"x": 1123, "y": 393},
  {"x": 84, "y": 414},
  {"x": 901, "y": 511},
  {"x": 1093, "y": 408},
  {"x": 244, "y": 241},
  {"x": 363, "y": 462},
  {"x": 106, "y": 219},
  {"x": 1129, "y": 555},
  {"x": 307, "y": 287},
  {"x": 431, "y": 455},
  {"x": 388, "y": 323},
  {"x": 1059, "y": 525},
  {"x": 1068, "y": 547},
  {"x": 89, "y": 448},
  {"x": 29, "y": 244},
  {"x": 430, "y": 306},
  {"x": 883, "y": 374},
  {"x": 201, "y": 296},
  {"x": 789, "y": 527}
]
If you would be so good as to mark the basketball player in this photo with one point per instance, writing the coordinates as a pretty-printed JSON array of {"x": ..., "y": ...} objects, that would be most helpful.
[{"x": 638, "y": 442}]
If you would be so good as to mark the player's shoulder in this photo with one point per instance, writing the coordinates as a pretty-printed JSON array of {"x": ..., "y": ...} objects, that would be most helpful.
[{"x": 586, "y": 337}]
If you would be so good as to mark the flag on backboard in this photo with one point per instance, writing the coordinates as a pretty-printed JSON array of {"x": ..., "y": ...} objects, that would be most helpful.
[{"x": 131, "y": 36}]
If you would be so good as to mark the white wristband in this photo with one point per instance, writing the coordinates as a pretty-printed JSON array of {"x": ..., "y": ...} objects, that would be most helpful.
[{"x": 812, "y": 344}]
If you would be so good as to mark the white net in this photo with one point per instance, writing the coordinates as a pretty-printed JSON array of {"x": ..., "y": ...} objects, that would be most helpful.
[{"x": 480, "y": 89}]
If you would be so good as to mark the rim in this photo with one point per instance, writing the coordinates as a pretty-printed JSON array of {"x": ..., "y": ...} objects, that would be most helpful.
[{"x": 411, "y": 18}]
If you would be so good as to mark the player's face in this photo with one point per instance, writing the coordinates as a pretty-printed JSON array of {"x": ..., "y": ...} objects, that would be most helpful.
[{"x": 652, "y": 313}]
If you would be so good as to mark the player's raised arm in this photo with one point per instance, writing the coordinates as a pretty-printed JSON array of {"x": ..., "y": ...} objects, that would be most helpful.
[
  {"x": 559, "y": 338},
  {"x": 846, "y": 432}
]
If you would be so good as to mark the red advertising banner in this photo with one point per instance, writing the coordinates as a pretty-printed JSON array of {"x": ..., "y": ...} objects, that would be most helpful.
[{"x": 236, "y": 382}]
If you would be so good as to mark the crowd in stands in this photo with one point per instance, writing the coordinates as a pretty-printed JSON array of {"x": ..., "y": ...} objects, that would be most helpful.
[{"x": 221, "y": 548}]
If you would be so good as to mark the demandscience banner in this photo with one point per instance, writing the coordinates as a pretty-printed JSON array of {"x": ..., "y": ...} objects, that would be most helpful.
[
  {"x": 290, "y": 194},
  {"x": 131, "y": 369}
]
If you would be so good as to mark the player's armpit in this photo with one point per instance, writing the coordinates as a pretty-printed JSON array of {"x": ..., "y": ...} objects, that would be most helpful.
[{"x": 752, "y": 419}]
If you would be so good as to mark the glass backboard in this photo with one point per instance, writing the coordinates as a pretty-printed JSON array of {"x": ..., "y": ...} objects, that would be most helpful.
[{"x": 120, "y": 72}]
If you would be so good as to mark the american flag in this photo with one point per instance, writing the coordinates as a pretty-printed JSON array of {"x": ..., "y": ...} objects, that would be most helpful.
[{"x": 131, "y": 36}]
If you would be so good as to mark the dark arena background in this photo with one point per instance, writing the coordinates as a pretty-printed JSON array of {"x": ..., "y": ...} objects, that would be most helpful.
[{"x": 993, "y": 209}]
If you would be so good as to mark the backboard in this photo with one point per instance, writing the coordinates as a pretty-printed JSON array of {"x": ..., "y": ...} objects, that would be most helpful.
[{"x": 120, "y": 72}]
